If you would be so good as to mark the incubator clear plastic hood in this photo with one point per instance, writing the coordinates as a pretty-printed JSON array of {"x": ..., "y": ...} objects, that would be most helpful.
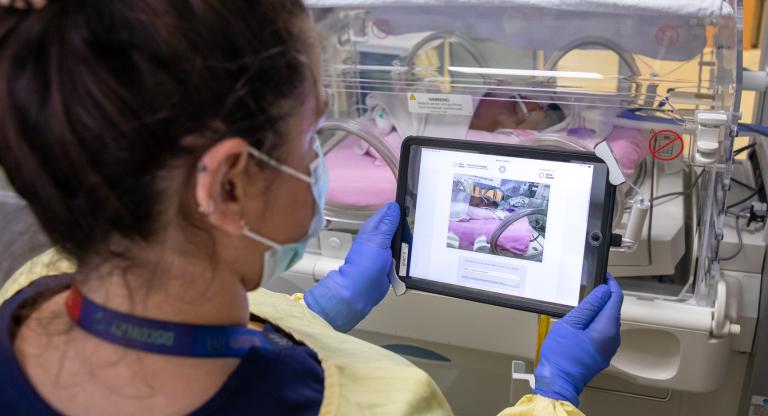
[
  {"x": 681, "y": 8},
  {"x": 659, "y": 81}
]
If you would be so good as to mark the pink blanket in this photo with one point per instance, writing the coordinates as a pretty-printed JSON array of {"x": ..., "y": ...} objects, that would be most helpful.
[
  {"x": 628, "y": 146},
  {"x": 514, "y": 239},
  {"x": 358, "y": 178}
]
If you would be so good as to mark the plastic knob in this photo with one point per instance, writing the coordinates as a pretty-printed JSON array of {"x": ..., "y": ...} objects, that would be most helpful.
[{"x": 616, "y": 240}]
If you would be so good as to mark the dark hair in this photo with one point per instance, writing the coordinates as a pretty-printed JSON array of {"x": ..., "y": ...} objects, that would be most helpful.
[{"x": 97, "y": 97}]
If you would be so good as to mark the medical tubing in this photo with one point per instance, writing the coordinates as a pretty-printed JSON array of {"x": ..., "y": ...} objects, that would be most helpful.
[
  {"x": 745, "y": 185},
  {"x": 744, "y": 149},
  {"x": 349, "y": 213},
  {"x": 554, "y": 140},
  {"x": 686, "y": 192},
  {"x": 641, "y": 174},
  {"x": 738, "y": 236},
  {"x": 741, "y": 242},
  {"x": 745, "y": 199},
  {"x": 366, "y": 134},
  {"x": 754, "y": 128},
  {"x": 507, "y": 222},
  {"x": 636, "y": 189},
  {"x": 631, "y": 114}
]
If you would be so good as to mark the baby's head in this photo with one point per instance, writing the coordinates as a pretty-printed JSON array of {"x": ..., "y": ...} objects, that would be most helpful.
[{"x": 500, "y": 111}]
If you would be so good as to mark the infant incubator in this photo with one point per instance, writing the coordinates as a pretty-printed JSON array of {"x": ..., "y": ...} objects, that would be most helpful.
[{"x": 659, "y": 82}]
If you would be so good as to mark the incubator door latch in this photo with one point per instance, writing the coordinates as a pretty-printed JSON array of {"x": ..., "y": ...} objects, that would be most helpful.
[
  {"x": 708, "y": 134},
  {"x": 604, "y": 152}
]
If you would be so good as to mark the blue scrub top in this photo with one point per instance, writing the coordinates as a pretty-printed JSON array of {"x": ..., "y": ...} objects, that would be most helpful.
[{"x": 284, "y": 382}]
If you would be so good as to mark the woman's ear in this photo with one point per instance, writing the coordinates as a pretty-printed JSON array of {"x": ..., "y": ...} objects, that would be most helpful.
[{"x": 220, "y": 184}]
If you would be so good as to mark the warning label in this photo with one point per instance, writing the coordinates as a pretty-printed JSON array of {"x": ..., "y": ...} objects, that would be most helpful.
[
  {"x": 460, "y": 105},
  {"x": 666, "y": 145}
]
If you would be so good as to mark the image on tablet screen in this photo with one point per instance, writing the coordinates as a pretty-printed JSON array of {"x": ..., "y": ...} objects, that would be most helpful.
[
  {"x": 501, "y": 217},
  {"x": 501, "y": 224}
]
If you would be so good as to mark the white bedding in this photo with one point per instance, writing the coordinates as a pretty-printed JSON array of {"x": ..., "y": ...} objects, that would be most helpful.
[{"x": 681, "y": 8}]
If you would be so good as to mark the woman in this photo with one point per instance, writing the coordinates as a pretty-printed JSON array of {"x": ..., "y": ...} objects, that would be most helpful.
[{"x": 168, "y": 148}]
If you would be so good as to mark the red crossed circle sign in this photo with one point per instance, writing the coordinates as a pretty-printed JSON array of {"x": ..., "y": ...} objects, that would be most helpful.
[
  {"x": 661, "y": 151},
  {"x": 667, "y": 36}
]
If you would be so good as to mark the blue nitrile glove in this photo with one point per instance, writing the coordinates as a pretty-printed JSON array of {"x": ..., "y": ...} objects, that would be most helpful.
[
  {"x": 345, "y": 296},
  {"x": 580, "y": 345}
]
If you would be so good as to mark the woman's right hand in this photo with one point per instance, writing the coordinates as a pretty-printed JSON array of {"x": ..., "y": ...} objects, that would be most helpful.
[{"x": 580, "y": 345}]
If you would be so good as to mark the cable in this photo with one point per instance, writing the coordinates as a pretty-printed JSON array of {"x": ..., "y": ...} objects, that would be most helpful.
[
  {"x": 738, "y": 235},
  {"x": 633, "y": 114},
  {"x": 642, "y": 168},
  {"x": 681, "y": 193},
  {"x": 755, "y": 191},
  {"x": 745, "y": 199},
  {"x": 744, "y": 149},
  {"x": 741, "y": 242},
  {"x": 754, "y": 128},
  {"x": 738, "y": 182}
]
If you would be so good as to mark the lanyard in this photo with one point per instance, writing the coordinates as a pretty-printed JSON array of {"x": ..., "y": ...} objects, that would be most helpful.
[{"x": 162, "y": 337}]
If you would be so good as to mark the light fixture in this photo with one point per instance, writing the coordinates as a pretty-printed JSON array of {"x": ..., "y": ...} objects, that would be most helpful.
[{"x": 526, "y": 72}]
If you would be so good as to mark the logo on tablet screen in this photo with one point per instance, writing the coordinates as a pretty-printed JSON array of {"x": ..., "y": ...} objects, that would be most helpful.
[{"x": 546, "y": 174}]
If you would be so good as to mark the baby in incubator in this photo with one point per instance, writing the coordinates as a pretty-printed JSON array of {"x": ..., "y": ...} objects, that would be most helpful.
[
  {"x": 359, "y": 176},
  {"x": 511, "y": 119},
  {"x": 497, "y": 112},
  {"x": 516, "y": 119}
]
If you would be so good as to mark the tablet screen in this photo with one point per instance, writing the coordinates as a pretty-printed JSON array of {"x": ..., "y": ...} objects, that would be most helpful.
[{"x": 502, "y": 224}]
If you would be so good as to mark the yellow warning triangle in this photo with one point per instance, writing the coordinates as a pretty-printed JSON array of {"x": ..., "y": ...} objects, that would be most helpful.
[{"x": 412, "y": 97}]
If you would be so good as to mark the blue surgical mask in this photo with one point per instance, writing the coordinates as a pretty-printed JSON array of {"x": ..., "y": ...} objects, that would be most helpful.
[{"x": 282, "y": 257}]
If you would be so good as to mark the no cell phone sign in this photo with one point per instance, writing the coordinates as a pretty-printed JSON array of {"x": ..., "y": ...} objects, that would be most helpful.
[
  {"x": 667, "y": 36},
  {"x": 666, "y": 145}
]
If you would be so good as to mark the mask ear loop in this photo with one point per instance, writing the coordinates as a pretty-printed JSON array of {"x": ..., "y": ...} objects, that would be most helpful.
[
  {"x": 254, "y": 236},
  {"x": 279, "y": 166},
  {"x": 283, "y": 168}
]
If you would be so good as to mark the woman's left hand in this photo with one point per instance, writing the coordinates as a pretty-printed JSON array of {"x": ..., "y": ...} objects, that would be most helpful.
[
  {"x": 344, "y": 297},
  {"x": 581, "y": 345}
]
